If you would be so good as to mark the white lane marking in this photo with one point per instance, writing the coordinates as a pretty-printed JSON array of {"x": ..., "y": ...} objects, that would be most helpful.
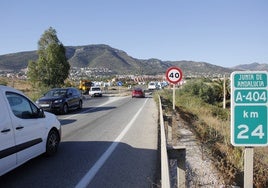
[{"x": 96, "y": 167}]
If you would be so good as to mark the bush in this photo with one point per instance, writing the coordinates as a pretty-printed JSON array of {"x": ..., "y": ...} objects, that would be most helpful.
[
  {"x": 203, "y": 89},
  {"x": 211, "y": 124},
  {"x": 3, "y": 82},
  {"x": 220, "y": 113}
]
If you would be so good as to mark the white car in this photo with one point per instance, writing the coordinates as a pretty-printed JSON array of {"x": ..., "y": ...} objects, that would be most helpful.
[
  {"x": 151, "y": 86},
  {"x": 95, "y": 91},
  {"x": 26, "y": 131}
]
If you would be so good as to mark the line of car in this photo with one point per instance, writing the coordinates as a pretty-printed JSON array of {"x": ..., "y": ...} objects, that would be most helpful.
[
  {"x": 62, "y": 100},
  {"x": 29, "y": 129}
]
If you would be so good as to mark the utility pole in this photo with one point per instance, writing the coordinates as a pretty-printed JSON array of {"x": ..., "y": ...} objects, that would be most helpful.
[{"x": 224, "y": 92}]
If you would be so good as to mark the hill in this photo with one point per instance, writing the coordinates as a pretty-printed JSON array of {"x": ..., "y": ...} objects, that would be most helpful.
[
  {"x": 116, "y": 61},
  {"x": 253, "y": 67},
  {"x": 16, "y": 61}
]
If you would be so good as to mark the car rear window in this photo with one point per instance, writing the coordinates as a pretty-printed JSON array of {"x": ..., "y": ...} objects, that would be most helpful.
[{"x": 96, "y": 89}]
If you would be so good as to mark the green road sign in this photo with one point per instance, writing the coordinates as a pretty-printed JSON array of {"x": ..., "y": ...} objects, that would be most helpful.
[
  {"x": 250, "y": 79},
  {"x": 249, "y": 108},
  {"x": 250, "y": 96},
  {"x": 250, "y": 125}
]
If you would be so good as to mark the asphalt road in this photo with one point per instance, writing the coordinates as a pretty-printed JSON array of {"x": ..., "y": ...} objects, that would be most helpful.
[{"x": 111, "y": 142}]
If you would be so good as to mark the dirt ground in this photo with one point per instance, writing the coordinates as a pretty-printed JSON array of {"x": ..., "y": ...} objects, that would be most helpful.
[{"x": 200, "y": 171}]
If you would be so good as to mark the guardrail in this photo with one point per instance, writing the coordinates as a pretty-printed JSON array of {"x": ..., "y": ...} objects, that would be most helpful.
[
  {"x": 170, "y": 152},
  {"x": 165, "y": 178}
]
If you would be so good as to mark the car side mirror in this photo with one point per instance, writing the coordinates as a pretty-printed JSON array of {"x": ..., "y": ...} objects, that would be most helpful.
[{"x": 41, "y": 113}]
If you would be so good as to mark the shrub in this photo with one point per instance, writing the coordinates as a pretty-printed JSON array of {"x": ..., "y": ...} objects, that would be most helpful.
[{"x": 211, "y": 124}]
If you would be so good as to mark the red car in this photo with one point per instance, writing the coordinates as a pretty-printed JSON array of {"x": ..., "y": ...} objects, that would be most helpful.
[{"x": 138, "y": 92}]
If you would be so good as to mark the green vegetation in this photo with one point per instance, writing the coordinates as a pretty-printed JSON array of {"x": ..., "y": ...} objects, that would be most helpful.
[
  {"x": 52, "y": 67},
  {"x": 199, "y": 102},
  {"x": 209, "y": 91}
]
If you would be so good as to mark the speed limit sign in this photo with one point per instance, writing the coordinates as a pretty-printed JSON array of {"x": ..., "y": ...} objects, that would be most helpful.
[{"x": 174, "y": 75}]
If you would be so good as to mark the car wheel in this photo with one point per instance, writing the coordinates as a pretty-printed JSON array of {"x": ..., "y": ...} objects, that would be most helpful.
[
  {"x": 52, "y": 144},
  {"x": 80, "y": 106},
  {"x": 65, "y": 109}
]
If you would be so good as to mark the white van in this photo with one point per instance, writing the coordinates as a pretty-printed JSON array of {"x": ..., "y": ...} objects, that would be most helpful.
[{"x": 26, "y": 131}]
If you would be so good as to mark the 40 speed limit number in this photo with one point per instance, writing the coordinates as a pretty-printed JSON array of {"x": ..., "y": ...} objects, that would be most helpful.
[{"x": 174, "y": 75}]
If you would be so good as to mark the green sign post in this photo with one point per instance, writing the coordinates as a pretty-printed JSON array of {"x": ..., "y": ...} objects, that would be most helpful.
[
  {"x": 249, "y": 108},
  {"x": 249, "y": 115}
]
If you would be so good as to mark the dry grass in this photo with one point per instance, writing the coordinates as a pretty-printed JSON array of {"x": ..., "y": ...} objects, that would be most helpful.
[
  {"x": 214, "y": 132},
  {"x": 22, "y": 85}
]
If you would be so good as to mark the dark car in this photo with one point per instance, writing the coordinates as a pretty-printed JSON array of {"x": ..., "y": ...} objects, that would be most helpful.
[
  {"x": 138, "y": 92},
  {"x": 61, "y": 100}
]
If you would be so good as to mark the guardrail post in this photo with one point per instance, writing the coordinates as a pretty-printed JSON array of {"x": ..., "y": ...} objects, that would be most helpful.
[
  {"x": 168, "y": 119},
  {"x": 179, "y": 153}
]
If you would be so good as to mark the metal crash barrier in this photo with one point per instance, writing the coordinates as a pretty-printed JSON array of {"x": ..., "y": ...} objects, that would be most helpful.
[{"x": 168, "y": 151}]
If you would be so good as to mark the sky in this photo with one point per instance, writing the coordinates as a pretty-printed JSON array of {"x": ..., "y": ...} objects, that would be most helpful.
[{"x": 220, "y": 32}]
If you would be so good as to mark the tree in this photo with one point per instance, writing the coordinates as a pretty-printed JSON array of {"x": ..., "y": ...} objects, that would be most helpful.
[
  {"x": 32, "y": 72},
  {"x": 52, "y": 67}
]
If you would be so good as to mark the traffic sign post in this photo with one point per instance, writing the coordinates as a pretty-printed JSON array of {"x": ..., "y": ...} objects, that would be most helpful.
[
  {"x": 119, "y": 84},
  {"x": 249, "y": 115},
  {"x": 249, "y": 108},
  {"x": 174, "y": 76}
]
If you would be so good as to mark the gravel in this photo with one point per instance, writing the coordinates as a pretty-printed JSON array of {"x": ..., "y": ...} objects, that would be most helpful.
[{"x": 200, "y": 171}]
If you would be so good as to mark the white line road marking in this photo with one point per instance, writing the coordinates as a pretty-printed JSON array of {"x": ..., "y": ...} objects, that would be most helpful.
[{"x": 96, "y": 167}]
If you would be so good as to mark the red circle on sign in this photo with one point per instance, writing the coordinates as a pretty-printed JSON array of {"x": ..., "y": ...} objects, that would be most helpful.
[{"x": 174, "y": 75}]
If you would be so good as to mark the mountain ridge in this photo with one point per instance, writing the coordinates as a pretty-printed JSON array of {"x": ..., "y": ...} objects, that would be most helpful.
[
  {"x": 253, "y": 67},
  {"x": 119, "y": 62}
]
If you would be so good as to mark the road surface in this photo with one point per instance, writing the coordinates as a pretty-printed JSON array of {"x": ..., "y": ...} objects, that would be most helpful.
[{"x": 111, "y": 142}]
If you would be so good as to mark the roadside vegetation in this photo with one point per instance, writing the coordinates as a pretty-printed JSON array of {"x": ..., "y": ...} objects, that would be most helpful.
[
  {"x": 200, "y": 103},
  {"x": 22, "y": 85},
  {"x": 52, "y": 68}
]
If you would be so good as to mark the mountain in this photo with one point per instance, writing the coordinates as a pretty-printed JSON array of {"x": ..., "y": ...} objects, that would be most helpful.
[
  {"x": 102, "y": 56},
  {"x": 116, "y": 61},
  {"x": 252, "y": 67},
  {"x": 16, "y": 61}
]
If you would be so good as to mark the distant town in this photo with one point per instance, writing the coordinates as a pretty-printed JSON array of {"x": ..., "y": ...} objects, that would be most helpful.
[
  {"x": 100, "y": 75},
  {"x": 77, "y": 73}
]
